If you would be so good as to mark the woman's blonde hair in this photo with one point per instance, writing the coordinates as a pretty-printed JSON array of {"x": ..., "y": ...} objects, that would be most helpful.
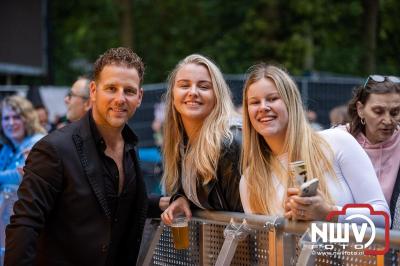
[
  {"x": 202, "y": 155},
  {"x": 24, "y": 108},
  {"x": 301, "y": 143}
]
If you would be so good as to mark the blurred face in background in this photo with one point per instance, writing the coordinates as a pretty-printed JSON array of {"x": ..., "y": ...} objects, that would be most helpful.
[
  {"x": 43, "y": 116},
  {"x": 12, "y": 124},
  {"x": 382, "y": 115},
  {"x": 77, "y": 101}
]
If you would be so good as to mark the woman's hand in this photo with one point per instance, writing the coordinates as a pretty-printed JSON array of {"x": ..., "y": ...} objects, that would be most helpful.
[
  {"x": 306, "y": 208},
  {"x": 288, "y": 210},
  {"x": 179, "y": 206}
]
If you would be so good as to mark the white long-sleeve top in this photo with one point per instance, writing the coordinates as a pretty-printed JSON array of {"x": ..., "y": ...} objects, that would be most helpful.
[{"x": 355, "y": 182}]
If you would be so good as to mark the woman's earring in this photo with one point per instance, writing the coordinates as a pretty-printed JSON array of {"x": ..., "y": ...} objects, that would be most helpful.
[{"x": 362, "y": 120}]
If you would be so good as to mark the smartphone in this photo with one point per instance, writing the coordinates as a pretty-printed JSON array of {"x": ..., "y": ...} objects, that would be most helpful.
[{"x": 309, "y": 188}]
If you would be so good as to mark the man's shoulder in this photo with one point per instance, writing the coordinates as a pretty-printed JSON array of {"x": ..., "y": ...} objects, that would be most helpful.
[{"x": 64, "y": 135}]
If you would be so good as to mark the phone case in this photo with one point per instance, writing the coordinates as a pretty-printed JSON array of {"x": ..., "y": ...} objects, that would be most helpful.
[{"x": 309, "y": 188}]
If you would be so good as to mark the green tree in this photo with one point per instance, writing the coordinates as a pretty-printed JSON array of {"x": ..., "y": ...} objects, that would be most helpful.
[
  {"x": 81, "y": 31},
  {"x": 303, "y": 36}
]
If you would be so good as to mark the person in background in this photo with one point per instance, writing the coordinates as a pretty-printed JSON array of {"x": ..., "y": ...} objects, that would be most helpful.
[
  {"x": 60, "y": 121},
  {"x": 276, "y": 133},
  {"x": 374, "y": 114},
  {"x": 78, "y": 99},
  {"x": 201, "y": 146},
  {"x": 313, "y": 120},
  {"x": 43, "y": 115},
  {"x": 338, "y": 116},
  {"x": 83, "y": 200},
  {"x": 158, "y": 122},
  {"x": 20, "y": 130}
]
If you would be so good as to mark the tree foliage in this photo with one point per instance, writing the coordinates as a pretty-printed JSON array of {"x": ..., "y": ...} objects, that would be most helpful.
[{"x": 300, "y": 35}]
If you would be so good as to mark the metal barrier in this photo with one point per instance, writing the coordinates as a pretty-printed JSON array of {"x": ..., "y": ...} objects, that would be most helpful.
[{"x": 253, "y": 240}]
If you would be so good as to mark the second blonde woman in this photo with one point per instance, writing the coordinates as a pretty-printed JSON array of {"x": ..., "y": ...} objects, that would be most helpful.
[{"x": 275, "y": 133}]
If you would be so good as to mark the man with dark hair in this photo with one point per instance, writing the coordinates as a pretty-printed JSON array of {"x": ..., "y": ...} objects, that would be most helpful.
[{"x": 82, "y": 200}]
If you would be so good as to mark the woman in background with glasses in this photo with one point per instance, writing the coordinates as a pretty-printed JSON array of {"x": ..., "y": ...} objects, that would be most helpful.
[
  {"x": 374, "y": 114},
  {"x": 20, "y": 130}
]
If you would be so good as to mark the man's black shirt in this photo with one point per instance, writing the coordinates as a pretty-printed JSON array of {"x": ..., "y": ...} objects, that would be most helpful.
[{"x": 118, "y": 204}]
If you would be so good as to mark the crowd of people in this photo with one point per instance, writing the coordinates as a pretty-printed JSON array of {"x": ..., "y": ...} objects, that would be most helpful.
[{"x": 82, "y": 198}]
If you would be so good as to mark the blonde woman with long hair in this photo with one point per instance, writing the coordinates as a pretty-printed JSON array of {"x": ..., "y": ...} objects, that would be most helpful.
[
  {"x": 20, "y": 130},
  {"x": 202, "y": 144},
  {"x": 275, "y": 133}
]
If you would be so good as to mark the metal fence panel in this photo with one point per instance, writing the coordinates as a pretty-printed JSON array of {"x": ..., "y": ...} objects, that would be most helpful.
[
  {"x": 166, "y": 254},
  {"x": 268, "y": 243}
]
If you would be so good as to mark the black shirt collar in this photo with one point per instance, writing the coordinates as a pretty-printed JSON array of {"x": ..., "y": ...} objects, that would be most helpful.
[{"x": 128, "y": 135}]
